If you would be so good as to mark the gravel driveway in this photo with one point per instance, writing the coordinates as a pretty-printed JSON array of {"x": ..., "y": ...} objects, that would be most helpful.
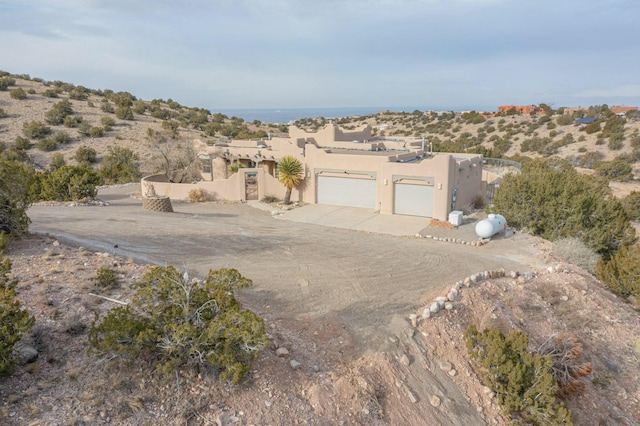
[{"x": 367, "y": 280}]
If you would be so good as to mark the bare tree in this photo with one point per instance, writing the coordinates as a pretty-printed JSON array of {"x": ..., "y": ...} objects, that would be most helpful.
[{"x": 174, "y": 156}]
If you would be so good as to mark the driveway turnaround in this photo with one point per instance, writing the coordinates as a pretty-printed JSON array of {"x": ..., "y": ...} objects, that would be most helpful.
[{"x": 300, "y": 268}]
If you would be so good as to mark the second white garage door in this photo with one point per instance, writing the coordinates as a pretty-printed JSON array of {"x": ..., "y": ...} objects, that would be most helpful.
[
  {"x": 413, "y": 200},
  {"x": 350, "y": 192}
]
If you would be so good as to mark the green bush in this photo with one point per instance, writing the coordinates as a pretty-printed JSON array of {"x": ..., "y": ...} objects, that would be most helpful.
[
  {"x": 79, "y": 93},
  {"x": 96, "y": 132},
  {"x": 84, "y": 129},
  {"x": 67, "y": 183},
  {"x": 61, "y": 137},
  {"x": 72, "y": 121},
  {"x": 631, "y": 205},
  {"x": 35, "y": 129},
  {"x": 14, "y": 321},
  {"x": 175, "y": 321},
  {"x": 124, "y": 113},
  {"x": 15, "y": 182},
  {"x": 57, "y": 161},
  {"x": 106, "y": 278},
  {"x": 592, "y": 127},
  {"x": 521, "y": 380},
  {"x": 119, "y": 166},
  {"x": 18, "y": 93},
  {"x": 105, "y": 106},
  {"x": 621, "y": 273},
  {"x": 107, "y": 121},
  {"x": 139, "y": 107},
  {"x": 614, "y": 170},
  {"x": 46, "y": 145},
  {"x": 5, "y": 82},
  {"x": 57, "y": 114},
  {"x": 50, "y": 93},
  {"x": 551, "y": 199},
  {"x": 22, "y": 144},
  {"x": 85, "y": 154}
]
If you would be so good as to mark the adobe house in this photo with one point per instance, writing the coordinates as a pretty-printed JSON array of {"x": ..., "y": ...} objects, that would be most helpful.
[{"x": 345, "y": 168}]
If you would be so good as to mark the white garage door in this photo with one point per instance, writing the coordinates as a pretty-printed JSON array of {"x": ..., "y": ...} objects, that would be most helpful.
[
  {"x": 414, "y": 200},
  {"x": 350, "y": 192}
]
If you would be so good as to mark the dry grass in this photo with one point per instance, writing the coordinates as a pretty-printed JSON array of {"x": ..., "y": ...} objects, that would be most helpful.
[{"x": 574, "y": 251}]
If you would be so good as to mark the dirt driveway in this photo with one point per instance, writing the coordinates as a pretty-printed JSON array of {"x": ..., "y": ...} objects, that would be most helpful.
[{"x": 300, "y": 270}]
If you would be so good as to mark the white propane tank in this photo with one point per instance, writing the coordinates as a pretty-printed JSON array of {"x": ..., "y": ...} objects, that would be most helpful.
[{"x": 490, "y": 226}]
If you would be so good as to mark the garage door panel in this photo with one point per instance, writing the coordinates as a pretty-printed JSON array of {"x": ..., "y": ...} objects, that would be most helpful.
[
  {"x": 351, "y": 192},
  {"x": 413, "y": 200}
]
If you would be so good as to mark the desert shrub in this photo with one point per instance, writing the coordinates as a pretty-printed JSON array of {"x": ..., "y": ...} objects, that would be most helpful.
[
  {"x": 161, "y": 114},
  {"x": 46, "y": 145},
  {"x": 57, "y": 161},
  {"x": 119, "y": 166},
  {"x": 567, "y": 369},
  {"x": 3, "y": 113},
  {"x": 56, "y": 115},
  {"x": 18, "y": 93},
  {"x": 124, "y": 113},
  {"x": 551, "y": 199},
  {"x": 198, "y": 195},
  {"x": 66, "y": 184},
  {"x": 107, "y": 122},
  {"x": 79, "y": 93},
  {"x": 35, "y": 129},
  {"x": 564, "y": 120},
  {"x": 15, "y": 182},
  {"x": 105, "y": 106},
  {"x": 5, "y": 82},
  {"x": 270, "y": 199},
  {"x": 139, "y": 107},
  {"x": 72, "y": 121},
  {"x": 96, "y": 132},
  {"x": 22, "y": 144},
  {"x": 575, "y": 251},
  {"x": 106, "y": 278},
  {"x": 592, "y": 128},
  {"x": 61, "y": 138},
  {"x": 582, "y": 138},
  {"x": 621, "y": 273},
  {"x": 616, "y": 141},
  {"x": 50, "y": 93},
  {"x": 85, "y": 154},
  {"x": 614, "y": 170},
  {"x": 84, "y": 129},
  {"x": 631, "y": 205},
  {"x": 14, "y": 321},
  {"x": 175, "y": 321},
  {"x": 521, "y": 380}
]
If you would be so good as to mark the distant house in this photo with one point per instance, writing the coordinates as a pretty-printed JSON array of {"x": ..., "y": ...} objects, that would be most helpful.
[
  {"x": 586, "y": 120},
  {"x": 344, "y": 168},
  {"x": 622, "y": 110},
  {"x": 521, "y": 109}
]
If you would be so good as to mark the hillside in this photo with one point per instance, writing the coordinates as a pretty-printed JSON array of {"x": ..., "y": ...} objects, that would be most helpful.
[{"x": 508, "y": 136}]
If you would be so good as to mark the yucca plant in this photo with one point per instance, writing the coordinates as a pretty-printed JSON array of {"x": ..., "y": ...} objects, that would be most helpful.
[{"x": 290, "y": 174}]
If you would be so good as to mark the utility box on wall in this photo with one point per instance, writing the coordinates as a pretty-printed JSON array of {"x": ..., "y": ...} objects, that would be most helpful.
[{"x": 455, "y": 217}]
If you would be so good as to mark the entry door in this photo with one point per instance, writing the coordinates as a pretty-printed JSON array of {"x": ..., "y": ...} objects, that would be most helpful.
[
  {"x": 413, "y": 200},
  {"x": 251, "y": 186}
]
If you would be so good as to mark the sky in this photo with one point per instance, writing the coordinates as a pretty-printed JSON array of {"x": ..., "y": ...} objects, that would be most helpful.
[{"x": 430, "y": 54}]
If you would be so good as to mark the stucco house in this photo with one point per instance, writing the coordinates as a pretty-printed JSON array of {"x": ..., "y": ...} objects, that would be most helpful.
[{"x": 346, "y": 168}]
